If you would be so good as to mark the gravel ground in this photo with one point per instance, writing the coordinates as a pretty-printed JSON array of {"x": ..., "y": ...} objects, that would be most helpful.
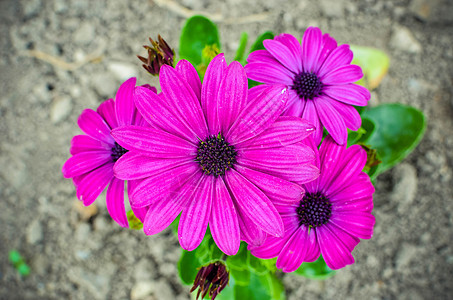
[{"x": 75, "y": 253}]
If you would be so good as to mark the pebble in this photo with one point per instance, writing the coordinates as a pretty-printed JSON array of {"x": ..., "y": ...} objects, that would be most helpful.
[
  {"x": 122, "y": 70},
  {"x": 405, "y": 188},
  {"x": 405, "y": 255},
  {"x": 31, "y": 8},
  {"x": 162, "y": 290},
  {"x": 61, "y": 109},
  {"x": 332, "y": 8},
  {"x": 34, "y": 232},
  {"x": 141, "y": 290},
  {"x": 82, "y": 232},
  {"x": 422, "y": 8},
  {"x": 85, "y": 34},
  {"x": 105, "y": 84},
  {"x": 403, "y": 39}
]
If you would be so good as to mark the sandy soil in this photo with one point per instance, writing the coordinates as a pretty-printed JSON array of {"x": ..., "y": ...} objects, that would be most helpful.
[{"x": 74, "y": 256}]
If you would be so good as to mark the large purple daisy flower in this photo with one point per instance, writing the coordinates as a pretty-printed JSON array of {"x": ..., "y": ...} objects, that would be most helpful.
[
  {"x": 94, "y": 154},
  {"x": 319, "y": 77},
  {"x": 333, "y": 214},
  {"x": 215, "y": 153}
]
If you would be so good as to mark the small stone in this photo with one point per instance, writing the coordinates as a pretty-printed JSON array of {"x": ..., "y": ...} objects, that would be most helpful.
[
  {"x": 60, "y": 6},
  {"x": 85, "y": 34},
  {"x": 31, "y": 7},
  {"x": 60, "y": 110},
  {"x": 405, "y": 255},
  {"x": 34, "y": 232},
  {"x": 82, "y": 232},
  {"x": 422, "y": 8},
  {"x": 141, "y": 290},
  {"x": 403, "y": 39},
  {"x": 162, "y": 290},
  {"x": 104, "y": 84},
  {"x": 122, "y": 71},
  {"x": 405, "y": 189},
  {"x": 332, "y": 8}
]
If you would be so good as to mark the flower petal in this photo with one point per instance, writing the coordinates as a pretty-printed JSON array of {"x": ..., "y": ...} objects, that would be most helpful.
[
  {"x": 254, "y": 203},
  {"x": 352, "y": 94},
  {"x": 328, "y": 45},
  {"x": 295, "y": 105},
  {"x": 311, "y": 48},
  {"x": 332, "y": 120},
  {"x": 340, "y": 56},
  {"x": 93, "y": 183},
  {"x": 85, "y": 143},
  {"x": 294, "y": 47},
  {"x": 153, "y": 142},
  {"x": 358, "y": 224},
  {"x": 342, "y": 75},
  {"x": 92, "y": 124},
  {"x": 259, "y": 114},
  {"x": 124, "y": 102},
  {"x": 188, "y": 72},
  {"x": 284, "y": 55},
  {"x": 351, "y": 116},
  {"x": 194, "y": 218},
  {"x": 250, "y": 232},
  {"x": 224, "y": 223},
  {"x": 107, "y": 111},
  {"x": 269, "y": 71},
  {"x": 85, "y": 162},
  {"x": 311, "y": 115},
  {"x": 115, "y": 202}
]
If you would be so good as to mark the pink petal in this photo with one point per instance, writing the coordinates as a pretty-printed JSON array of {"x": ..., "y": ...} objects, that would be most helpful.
[
  {"x": 115, "y": 202},
  {"x": 163, "y": 212},
  {"x": 232, "y": 96},
  {"x": 259, "y": 114},
  {"x": 269, "y": 72},
  {"x": 250, "y": 232},
  {"x": 154, "y": 110},
  {"x": 133, "y": 165},
  {"x": 301, "y": 247},
  {"x": 294, "y": 106},
  {"x": 332, "y": 120},
  {"x": 107, "y": 111},
  {"x": 139, "y": 212},
  {"x": 342, "y": 75},
  {"x": 182, "y": 100},
  {"x": 124, "y": 102},
  {"x": 283, "y": 132},
  {"x": 349, "y": 94},
  {"x": 213, "y": 77},
  {"x": 256, "y": 91},
  {"x": 163, "y": 185},
  {"x": 93, "y": 183},
  {"x": 311, "y": 115},
  {"x": 153, "y": 142},
  {"x": 92, "y": 124},
  {"x": 85, "y": 162},
  {"x": 351, "y": 116},
  {"x": 254, "y": 203},
  {"x": 188, "y": 72},
  {"x": 284, "y": 55},
  {"x": 340, "y": 56},
  {"x": 85, "y": 143},
  {"x": 311, "y": 48},
  {"x": 294, "y": 47},
  {"x": 328, "y": 45},
  {"x": 224, "y": 223},
  {"x": 336, "y": 246},
  {"x": 194, "y": 219},
  {"x": 358, "y": 224}
]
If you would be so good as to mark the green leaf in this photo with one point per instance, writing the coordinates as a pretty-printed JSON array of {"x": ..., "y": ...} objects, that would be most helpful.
[
  {"x": 238, "y": 261},
  {"x": 375, "y": 64},
  {"x": 398, "y": 130},
  {"x": 241, "y": 49},
  {"x": 315, "y": 270},
  {"x": 258, "y": 44},
  {"x": 368, "y": 126},
  {"x": 188, "y": 266},
  {"x": 197, "y": 33},
  {"x": 134, "y": 222}
]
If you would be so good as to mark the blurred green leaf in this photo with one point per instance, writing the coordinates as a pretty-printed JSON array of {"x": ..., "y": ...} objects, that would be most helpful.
[
  {"x": 188, "y": 266},
  {"x": 241, "y": 49},
  {"x": 258, "y": 44},
  {"x": 197, "y": 33},
  {"x": 238, "y": 261},
  {"x": 134, "y": 222},
  {"x": 374, "y": 62},
  {"x": 368, "y": 126},
  {"x": 315, "y": 270},
  {"x": 398, "y": 130}
]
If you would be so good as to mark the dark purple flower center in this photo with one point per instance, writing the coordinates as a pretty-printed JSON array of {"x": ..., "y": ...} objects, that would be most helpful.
[
  {"x": 117, "y": 152},
  {"x": 307, "y": 85},
  {"x": 314, "y": 210},
  {"x": 215, "y": 155}
]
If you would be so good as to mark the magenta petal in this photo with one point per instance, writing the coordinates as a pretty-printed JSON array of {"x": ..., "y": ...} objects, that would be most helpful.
[
  {"x": 311, "y": 48},
  {"x": 232, "y": 96},
  {"x": 279, "y": 191},
  {"x": 224, "y": 223},
  {"x": 283, "y": 132},
  {"x": 336, "y": 246},
  {"x": 188, "y": 72},
  {"x": 300, "y": 246},
  {"x": 352, "y": 94},
  {"x": 92, "y": 124},
  {"x": 139, "y": 212},
  {"x": 124, "y": 102},
  {"x": 351, "y": 116},
  {"x": 294, "y": 47},
  {"x": 328, "y": 45},
  {"x": 311, "y": 115},
  {"x": 194, "y": 218},
  {"x": 162, "y": 213},
  {"x": 332, "y": 120},
  {"x": 295, "y": 105},
  {"x": 250, "y": 232},
  {"x": 259, "y": 114},
  {"x": 162, "y": 185},
  {"x": 342, "y": 75},
  {"x": 153, "y": 142},
  {"x": 133, "y": 165},
  {"x": 256, "y": 91},
  {"x": 107, "y": 111},
  {"x": 154, "y": 110},
  {"x": 85, "y": 143},
  {"x": 340, "y": 56},
  {"x": 85, "y": 162},
  {"x": 269, "y": 249},
  {"x": 269, "y": 72},
  {"x": 182, "y": 100},
  {"x": 359, "y": 224},
  {"x": 284, "y": 55},
  {"x": 93, "y": 183},
  {"x": 115, "y": 202},
  {"x": 254, "y": 203}
]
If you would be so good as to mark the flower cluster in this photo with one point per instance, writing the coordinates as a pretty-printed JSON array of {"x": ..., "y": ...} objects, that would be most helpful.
[{"x": 244, "y": 162}]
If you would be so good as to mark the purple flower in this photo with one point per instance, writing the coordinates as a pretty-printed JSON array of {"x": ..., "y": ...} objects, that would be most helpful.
[
  {"x": 319, "y": 77},
  {"x": 94, "y": 154},
  {"x": 333, "y": 214},
  {"x": 216, "y": 153}
]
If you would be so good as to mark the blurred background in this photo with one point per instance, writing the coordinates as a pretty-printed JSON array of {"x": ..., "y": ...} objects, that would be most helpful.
[{"x": 58, "y": 57}]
